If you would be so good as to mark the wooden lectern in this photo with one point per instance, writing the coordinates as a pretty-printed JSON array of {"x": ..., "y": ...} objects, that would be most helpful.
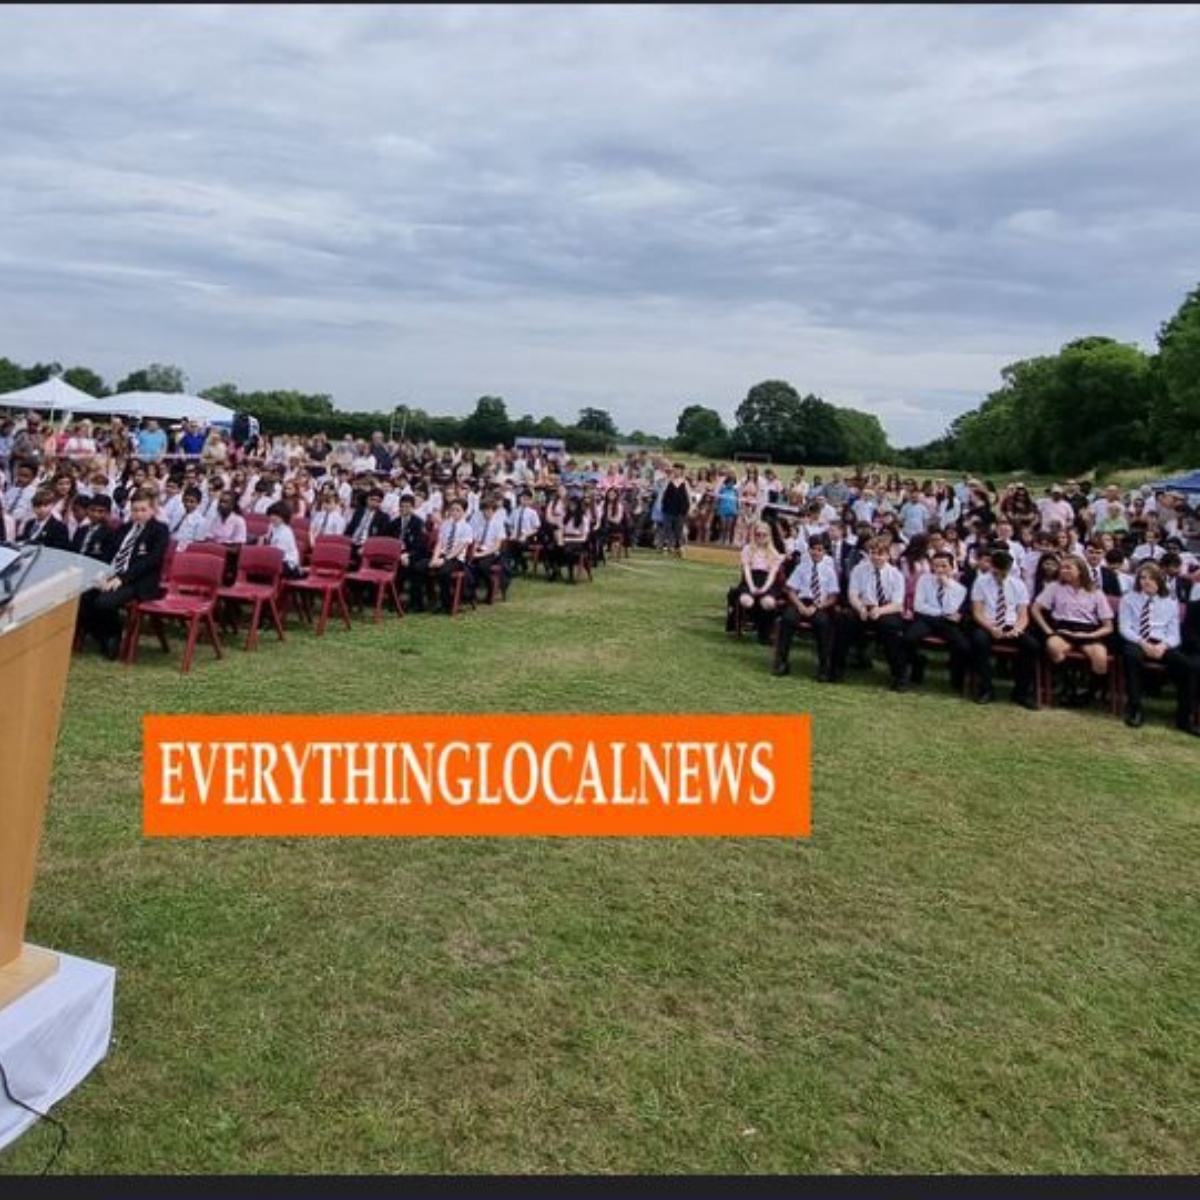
[{"x": 37, "y": 629}]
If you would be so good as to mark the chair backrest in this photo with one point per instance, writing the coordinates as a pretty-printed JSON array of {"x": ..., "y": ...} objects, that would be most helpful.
[
  {"x": 334, "y": 539},
  {"x": 300, "y": 527},
  {"x": 215, "y": 549},
  {"x": 257, "y": 524},
  {"x": 195, "y": 574},
  {"x": 331, "y": 556},
  {"x": 381, "y": 553},
  {"x": 260, "y": 564}
]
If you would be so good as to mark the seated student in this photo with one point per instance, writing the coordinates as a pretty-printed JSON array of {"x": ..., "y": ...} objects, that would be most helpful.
[
  {"x": 18, "y": 497},
  {"x": 1072, "y": 613},
  {"x": 754, "y": 594},
  {"x": 876, "y": 607},
  {"x": 1044, "y": 573},
  {"x": 1000, "y": 607},
  {"x": 1150, "y": 632},
  {"x": 1179, "y": 587},
  {"x": 96, "y": 538},
  {"x": 227, "y": 526},
  {"x": 524, "y": 524},
  {"x": 812, "y": 593},
  {"x": 193, "y": 527},
  {"x": 44, "y": 528},
  {"x": 1151, "y": 548},
  {"x": 328, "y": 520},
  {"x": 489, "y": 541},
  {"x": 937, "y": 612},
  {"x": 573, "y": 536},
  {"x": 452, "y": 553},
  {"x": 367, "y": 520},
  {"x": 136, "y": 568},
  {"x": 413, "y": 574},
  {"x": 279, "y": 533},
  {"x": 1115, "y": 577}
]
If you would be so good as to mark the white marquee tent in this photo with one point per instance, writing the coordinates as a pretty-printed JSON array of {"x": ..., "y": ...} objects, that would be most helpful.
[
  {"x": 165, "y": 406},
  {"x": 53, "y": 395}
]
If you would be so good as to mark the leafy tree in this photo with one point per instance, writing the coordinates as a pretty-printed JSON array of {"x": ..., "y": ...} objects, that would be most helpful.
[
  {"x": 489, "y": 424},
  {"x": 157, "y": 377},
  {"x": 767, "y": 419},
  {"x": 597, "y": 420},
  {"x": 40, "y": 372},
  {"x": 12, "y": 376},
  {"x": 864, "y": 437},
  {"x": 86, "y": 380},
  {"x": 701, "y": 429},
  {"x": 1175, "y": 413}
]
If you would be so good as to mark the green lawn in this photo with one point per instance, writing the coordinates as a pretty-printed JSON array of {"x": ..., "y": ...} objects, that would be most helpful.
[{"x": 985, "y": 959}]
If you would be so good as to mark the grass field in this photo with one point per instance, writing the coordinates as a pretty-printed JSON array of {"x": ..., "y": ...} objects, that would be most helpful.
[{"x": 984, "y": 960}]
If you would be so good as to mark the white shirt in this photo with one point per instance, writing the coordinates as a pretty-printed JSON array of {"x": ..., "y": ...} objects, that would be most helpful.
[
  {"x": 926, "y": 602},
  {"x": 525, "y": 522},
  {"x": 986, "y": 589},
  {"x": 193, "y": 528},
  {"x": 282, "y": 536},
  {"x": 863, "y": 583},
  {"x": 1164, "y": 618},
  {"x": 455, "y": 538},
  {"x": 801, "y": 578},
  {"x": 495, "y": 531},
  {"x": 326, "y": 523}
]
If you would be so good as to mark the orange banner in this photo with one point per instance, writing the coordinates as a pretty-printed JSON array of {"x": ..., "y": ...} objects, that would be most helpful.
[{"x": 478, "y": 775}]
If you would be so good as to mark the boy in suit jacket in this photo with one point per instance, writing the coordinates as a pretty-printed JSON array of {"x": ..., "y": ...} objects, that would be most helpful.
[{"x": 137, "y": 568}]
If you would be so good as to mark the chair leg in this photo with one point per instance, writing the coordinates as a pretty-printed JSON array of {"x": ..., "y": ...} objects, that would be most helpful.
[
  {"x": 326, "y": 605},
  {"x": 133, "y": 635},
  {"x": 396, "y": 600},
  {"x": 255, "y": 617},
  {"x": 213, "y": 636},
  {"x": 340, "y": 596},
  {"x": 189, "y": 649},
  {"x": 276, "y": 617},
  {"x": 160, "y": 630}
]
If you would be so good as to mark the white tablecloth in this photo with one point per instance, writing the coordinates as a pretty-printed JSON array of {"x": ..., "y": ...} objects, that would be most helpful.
[{"x": 52, "y": 1037}]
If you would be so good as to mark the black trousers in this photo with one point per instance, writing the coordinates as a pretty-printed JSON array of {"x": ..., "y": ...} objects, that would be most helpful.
[
  {"x": 889, "y": 635},
  {"x": 1027, "y": 649},
  {"x": 951, "y": 632},
  {"x": 824, "y": 627},
  {"x": 100, "y": 612},
  {"x": 1184, "y": 673}
]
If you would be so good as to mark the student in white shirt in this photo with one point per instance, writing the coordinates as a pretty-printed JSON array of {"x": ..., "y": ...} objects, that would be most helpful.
[
  {"x": 1148, "y": 620},
  {"x": 1000, "y": 606},
  {"x": 193, "y": 525},
  {"x": 937, "y": 612},
  {"x": 279, "y": 534},
  {"x": 876, "y": 606},
  {"x": 811, "y": 597}
]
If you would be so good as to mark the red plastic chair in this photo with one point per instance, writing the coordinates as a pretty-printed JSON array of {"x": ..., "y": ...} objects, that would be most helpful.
[
  {"x": 379, "y": 561},
  {"x": 191, "y": 598},
  {"x": 326, "y": 578},
  {"x": 260, "y": 570},
  {"x": 257, "y": 525}
]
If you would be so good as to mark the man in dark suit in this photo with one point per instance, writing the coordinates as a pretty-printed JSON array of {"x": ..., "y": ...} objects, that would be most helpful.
[
  {"x": 409, "y": 530},
  {"x": 844, "y": 554},
  {"x": 44, "y": 528},
  {"x": 137, "y": 566}
]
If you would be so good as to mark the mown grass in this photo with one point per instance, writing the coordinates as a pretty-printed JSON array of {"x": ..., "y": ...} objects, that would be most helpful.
[{"x": 984, "y": 960}]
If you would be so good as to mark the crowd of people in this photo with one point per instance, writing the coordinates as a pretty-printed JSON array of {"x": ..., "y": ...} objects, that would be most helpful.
[
  {"x": 864, "y": 560},
  {"x": 1091, "y": 586}
]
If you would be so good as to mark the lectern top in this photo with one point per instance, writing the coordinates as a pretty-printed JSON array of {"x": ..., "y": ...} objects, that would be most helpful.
[{"x": 54, "y": 577}]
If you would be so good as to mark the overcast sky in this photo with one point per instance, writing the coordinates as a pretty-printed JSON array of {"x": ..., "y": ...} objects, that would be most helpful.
[{"x": 634, "y": 207}]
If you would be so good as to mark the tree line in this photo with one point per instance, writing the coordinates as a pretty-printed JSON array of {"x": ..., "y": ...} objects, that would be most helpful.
[{"x": 1098, "y": 404}]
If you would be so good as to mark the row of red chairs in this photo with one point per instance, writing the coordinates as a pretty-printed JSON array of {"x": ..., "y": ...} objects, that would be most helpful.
[{"x": 194, "y": 583}]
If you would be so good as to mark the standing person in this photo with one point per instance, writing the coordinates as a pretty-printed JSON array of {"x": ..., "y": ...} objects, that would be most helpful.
[
  {"x": 136, "y": 569},
  {"x": 1149, "y": 625},
  {"x": 676, "y": 503}
]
